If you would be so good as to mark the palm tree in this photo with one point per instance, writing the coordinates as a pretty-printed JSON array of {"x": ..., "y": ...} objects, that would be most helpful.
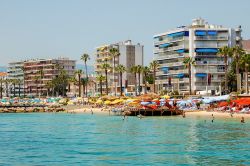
[
  {"x": 133, "y": 70},
  {"x": 145, "y": 71},
  {"x": 154, "y": 65},
  {"x": 244, "y": 63},
  {"x": 79, "y": 74},
  {"x": 71, "y": 80},
  {"x": 225, "y": 52},
  {"x": 49, "y": 85},
  {"x": 41, "y": 75},
  {"x": 85, "y": 58},
  {"x": 120, "y": 69},
  {"x": 139, "y": 71},
  {"x": 7, "y": 81},
  {"x": 19, "y": 81},
  {"x": 237, "y": 53},
  {"x": 106, "y": 67},
  {"x": 100, "y": 78},
  {"x": 114, "y": 52},
  {"x": 24, "y": 90},
  {"x": 36, "y": 79},
  {"x": 188, "y": 62}
]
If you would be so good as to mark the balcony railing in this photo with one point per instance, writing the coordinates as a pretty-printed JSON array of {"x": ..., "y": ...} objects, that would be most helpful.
[
  {"x": 211, "y": 38},
  {"x": 167, "y": 40},
  {"x": 204, "y": 70},
  {"x": 209, "y": 62}
]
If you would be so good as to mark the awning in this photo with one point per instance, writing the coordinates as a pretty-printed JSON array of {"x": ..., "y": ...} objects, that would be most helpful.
[
  {"x": 164, "y": 68},
  {"x": 212, "y": 33},
  {"x": 181, "y": 75},
  {"x": 200, "y": 33},
  {"x": 180, "y": 51},
  {"x": 176, "y": 34},
  {"x": 200, "y": 74},
  {"x": 164, "y": 45},
  {"x": 215, "y": 50}
]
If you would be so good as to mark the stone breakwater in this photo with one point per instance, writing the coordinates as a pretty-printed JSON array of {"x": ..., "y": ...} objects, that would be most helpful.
[{"x": 16, "y": 109}]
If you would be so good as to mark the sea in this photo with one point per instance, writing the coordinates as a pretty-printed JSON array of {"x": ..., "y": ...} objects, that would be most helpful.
[{"x": 85, "y": 139}]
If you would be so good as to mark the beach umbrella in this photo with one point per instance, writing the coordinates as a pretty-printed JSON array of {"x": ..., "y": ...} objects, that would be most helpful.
[
  {"x": 165, "y": 97},
  {"x": 107, "y": 102}
]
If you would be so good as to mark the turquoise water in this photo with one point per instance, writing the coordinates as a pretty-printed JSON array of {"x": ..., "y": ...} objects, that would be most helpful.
[{"x": 82, "y": 139}]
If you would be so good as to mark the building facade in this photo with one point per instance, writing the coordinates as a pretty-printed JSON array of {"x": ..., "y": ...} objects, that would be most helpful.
[
  {"x": 15, "y": 73},
  {"x": 130, "y": 55},
  {"x": 200, "y": 41},
  {"x": 50, "y": 68}
]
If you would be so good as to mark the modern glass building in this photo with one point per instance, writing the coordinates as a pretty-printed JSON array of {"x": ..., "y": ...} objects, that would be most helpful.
[{"x": 200, "y": 41}]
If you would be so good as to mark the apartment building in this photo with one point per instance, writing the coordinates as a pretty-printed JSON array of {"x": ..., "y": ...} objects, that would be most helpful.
[
  {"x": 200, "y": 41},
  {"x": 15, "y": 72},
  {"x": 50, "y": 68},
  {"x": 130, "y": 55}
]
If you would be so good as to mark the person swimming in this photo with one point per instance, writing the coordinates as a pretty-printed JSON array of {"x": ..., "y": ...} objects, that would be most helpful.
[{"x": 242, "y": 120}]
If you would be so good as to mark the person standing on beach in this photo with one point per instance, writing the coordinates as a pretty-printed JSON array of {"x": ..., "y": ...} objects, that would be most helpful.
[{"x": 212, "y": 118}]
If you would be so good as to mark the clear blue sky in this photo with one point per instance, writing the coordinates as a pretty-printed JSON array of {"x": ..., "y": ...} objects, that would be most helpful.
[{"x": 53, "y": 28}]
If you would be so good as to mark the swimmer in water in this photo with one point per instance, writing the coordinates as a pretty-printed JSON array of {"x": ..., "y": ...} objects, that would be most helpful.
[{"x": 242, "y": 120}]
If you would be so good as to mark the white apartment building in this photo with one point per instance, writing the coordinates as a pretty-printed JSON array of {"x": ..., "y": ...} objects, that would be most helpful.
[
  {"x": 201, "y": 41},
  {"x": 130, "y": 55},
  {"x": 15, "y": 72}
]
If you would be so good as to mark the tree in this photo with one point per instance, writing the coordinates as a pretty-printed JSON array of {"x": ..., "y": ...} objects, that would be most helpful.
[
  {"x": 100, "y": 78},
  {"x": 244, "y": 64},
  {"x": 114, "y": 52},
  {"x": 106, "y": 67},
  {"x": 154, "y": 66},
  {"x": 49, "y": 85},
  {"x": 19, "y": 82},
  {"x": 120, "y": 69},
  {"x": 225, "y": 52},
  {"x": 79, "y": 74},
  {"x": 7, "y": 81},
  {"x": 71, "y": 80},
  {"x": 188, "y": 62},
  {"x": 237, "y": 52},
  {"x": 41, "y": 75},
  {"x": 85, "y": 58},
  {"x": 36, "y": 79},
  {"x": 145, "y": 71},
  {"x": 139, "y": 71},
  {"x": 133, "y": 70}
]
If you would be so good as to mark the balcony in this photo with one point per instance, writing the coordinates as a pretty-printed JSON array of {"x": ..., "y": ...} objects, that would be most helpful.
[
  {"x": 168, "y": 40},
  {"x": 172, "y": 56},
  {"x": 209, "y": 62},
  {"x": 205, "y": 70},
  {"x": 158, "y": 50},
  {"x": 172, "y": 64},
  {"x": 211, "y": 38}
]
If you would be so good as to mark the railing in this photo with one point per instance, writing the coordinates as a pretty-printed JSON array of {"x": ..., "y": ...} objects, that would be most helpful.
[
  {"x": 167, "y": 40},
  {"x": 211, "y": 38},
  {"x": 172, "y": 64},
  {"x": 161, "y": 57},
  {"x": 209, "y": 62},
  {"x": 204, "y": 70},
  {"x": 158, "y": 50}
]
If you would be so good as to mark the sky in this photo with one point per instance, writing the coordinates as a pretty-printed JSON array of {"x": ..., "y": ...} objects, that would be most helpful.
[{"x": 69, "y": 28}]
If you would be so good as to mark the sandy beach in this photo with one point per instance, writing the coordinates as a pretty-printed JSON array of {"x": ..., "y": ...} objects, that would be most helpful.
[
  {"x": 216, "y": 114},
  {"x": 86, "y": 109}
]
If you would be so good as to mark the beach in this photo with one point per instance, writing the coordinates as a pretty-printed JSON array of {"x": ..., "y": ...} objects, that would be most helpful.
[
  {"x": 86, "y": 109},
  {"x": 208, "y": 114}
]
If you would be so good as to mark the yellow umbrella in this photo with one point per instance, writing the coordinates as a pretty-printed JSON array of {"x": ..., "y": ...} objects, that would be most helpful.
[
  {"x": 98, "y": 102},
  {"x": 165, "y": 97},
  {"x": 107, "y": 102}
]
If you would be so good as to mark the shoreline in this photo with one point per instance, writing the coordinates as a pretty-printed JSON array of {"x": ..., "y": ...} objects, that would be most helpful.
[{"x": 223, "y": 115}]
